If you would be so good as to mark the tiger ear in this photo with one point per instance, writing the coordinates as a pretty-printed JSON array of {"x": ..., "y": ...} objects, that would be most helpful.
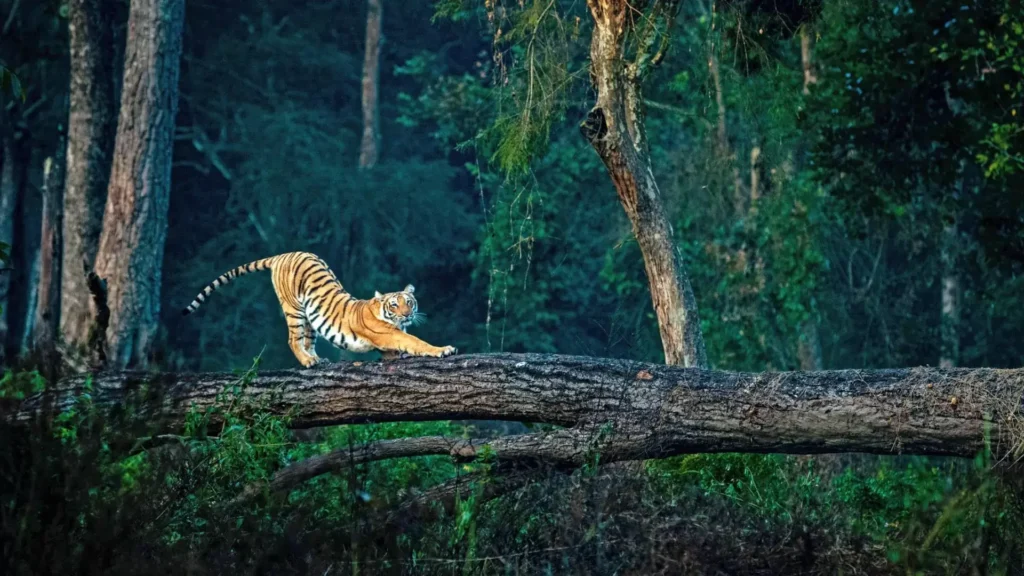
[
  {"x": 410, "y": 289},
  {"x": 377, "y": 294}
]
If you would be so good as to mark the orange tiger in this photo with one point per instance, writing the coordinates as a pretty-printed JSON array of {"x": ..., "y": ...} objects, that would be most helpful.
[{"x": 315, "y": 304}]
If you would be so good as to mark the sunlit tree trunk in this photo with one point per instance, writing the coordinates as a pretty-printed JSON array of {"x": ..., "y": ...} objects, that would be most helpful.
[
  {"x": 91, "y": 126},
  {"x": 806, "y": 58},
  {"x": 614, "y": 127},
  {"x": 369, "y": 148},
  {"x": 47, "y": 302},
  {"x": 131, "y": 246},
  {"x": 755, "y": 174}
]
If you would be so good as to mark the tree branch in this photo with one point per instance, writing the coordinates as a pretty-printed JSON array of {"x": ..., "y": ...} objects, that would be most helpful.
[
  {"x": 642, "y": 410},
  {"x": 561, "y": 448},
  {"x": 644, "y": 60}
]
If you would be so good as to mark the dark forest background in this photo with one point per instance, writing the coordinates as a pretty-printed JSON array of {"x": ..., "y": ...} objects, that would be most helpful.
[
  {"x": 857, "y": 180},
  {"x": 845, "y": 180}
]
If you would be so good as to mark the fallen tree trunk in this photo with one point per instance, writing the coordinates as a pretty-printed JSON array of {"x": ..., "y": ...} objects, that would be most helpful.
[{"x": 640, "y": 410}]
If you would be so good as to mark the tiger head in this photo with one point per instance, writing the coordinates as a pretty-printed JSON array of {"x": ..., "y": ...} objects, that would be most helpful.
[{"x": 399, "y": 308}]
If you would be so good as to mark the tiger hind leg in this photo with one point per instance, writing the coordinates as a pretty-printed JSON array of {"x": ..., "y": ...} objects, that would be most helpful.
[
  {"x": 309, "y": 340},
  {"x": 296, "y": 341}
]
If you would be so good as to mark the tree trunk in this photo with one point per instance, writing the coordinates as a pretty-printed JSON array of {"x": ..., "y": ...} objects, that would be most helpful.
[
  {"x": 633, "y": 410},
  {"x": 806, "y": 59},
  {"x": 131, "y": 245},
  {"x": 369, "y": 148},
  {"x": 91, "y": 126},
  {"x": 809, "y": 346},
  {"x": 8, "y": 204},
  {"x": 31, "y": 298},
  {"x": 755, "y": 174},
  {"x": 47, "y": 306},
  {"x": 725, "y": 153},
  {"x": 614, "y": 127},
  {"x": 950, "y": 323}
]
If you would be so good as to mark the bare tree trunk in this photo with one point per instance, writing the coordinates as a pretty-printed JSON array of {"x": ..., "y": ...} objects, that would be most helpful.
[
  {"x": 91, "y": 127},
  {"x": 369, "y": 148},
  {"x": 950, "y": 324},
  {"x": 614, "y": 127},
  {"x": 8, "y": 204},
  {"x": 806, "y": 59},
  {"x": 809, "y": 346},
  {"x": 755, "y": 174},
  {"x": 627, "y": 410},
  {"x": 725, "y": 152},
  {"x": 47, "y": 306},
  {"x": 31, "y": 299},
  {"x": 131, "y": 247},
  {"x": 722, "y": 132}
]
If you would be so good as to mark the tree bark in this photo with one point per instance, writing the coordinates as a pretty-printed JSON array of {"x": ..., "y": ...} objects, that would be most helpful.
[
  {"x": 91, "y": 127},
  {"x": 627, "y": 410},
  {"x": 131, "y": 245},
  {"x": 8, "y": 204},
  {"x": 614, "y": 127},
  {"x": 47, "y": 306},
  {"x": 369, "y": 148}
]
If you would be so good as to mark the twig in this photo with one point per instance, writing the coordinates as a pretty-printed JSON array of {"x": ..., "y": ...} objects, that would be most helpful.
[{"x": 10, "y": 17}]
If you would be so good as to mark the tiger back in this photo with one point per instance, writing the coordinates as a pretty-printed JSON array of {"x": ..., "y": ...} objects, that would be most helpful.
[{"x": 316, "y": 305}]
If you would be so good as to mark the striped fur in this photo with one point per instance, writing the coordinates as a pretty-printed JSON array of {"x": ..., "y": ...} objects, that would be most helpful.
[{"x": 316, "y": 305}]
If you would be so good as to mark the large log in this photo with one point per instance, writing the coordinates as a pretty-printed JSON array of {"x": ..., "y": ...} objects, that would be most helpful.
[{"x": 639, "y": 410}]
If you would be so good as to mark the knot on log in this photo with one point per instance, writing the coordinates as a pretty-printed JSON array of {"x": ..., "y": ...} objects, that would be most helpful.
[{"x": 595, "y": 127}]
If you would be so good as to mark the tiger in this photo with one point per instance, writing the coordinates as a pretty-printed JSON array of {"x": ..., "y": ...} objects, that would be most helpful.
[{"x": 316, "y": 305}]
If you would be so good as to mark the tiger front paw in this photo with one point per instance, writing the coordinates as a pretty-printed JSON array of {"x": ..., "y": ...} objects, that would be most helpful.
[
  {"x": 447, "y": 351},
  {"x": 314, "y": 361}
]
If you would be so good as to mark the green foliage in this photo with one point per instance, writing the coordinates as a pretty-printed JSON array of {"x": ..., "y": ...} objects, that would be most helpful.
[
  {"x": 18, "y": 385},
  {"x": 926, "y": 516},
  {"x": 537, "y": 68},
  {"x": 1002, "y": 49}
]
